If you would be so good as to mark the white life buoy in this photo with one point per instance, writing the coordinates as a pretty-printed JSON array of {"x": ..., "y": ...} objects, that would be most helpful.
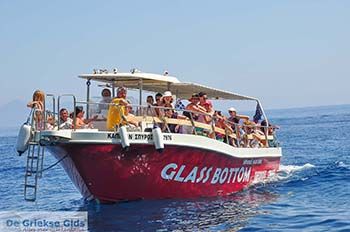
[
  {"x": 23, "y": 138},
  {"x": 124, "y": 137},
  {"x": 158, "y": 138}
]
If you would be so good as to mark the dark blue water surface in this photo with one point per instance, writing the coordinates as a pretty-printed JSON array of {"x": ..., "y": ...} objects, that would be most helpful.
[{"x": 311, "y": 192}]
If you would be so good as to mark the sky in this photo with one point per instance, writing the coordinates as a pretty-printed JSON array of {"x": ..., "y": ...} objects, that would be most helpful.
[{"x": 286, "y": 53}]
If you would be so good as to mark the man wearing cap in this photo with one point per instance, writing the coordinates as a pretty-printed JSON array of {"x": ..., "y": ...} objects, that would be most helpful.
[
  {"x": 118, "y": 110},
  {"x": 234, "y": 117}
]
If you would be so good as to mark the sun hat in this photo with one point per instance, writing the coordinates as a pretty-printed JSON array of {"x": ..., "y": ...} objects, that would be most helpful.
[
  {"x": 232, "y": 109},
  {"x": 167, "y": 94}
]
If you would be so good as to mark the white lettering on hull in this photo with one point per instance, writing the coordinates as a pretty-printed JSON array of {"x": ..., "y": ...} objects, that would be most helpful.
[{"x": 197, "y": 175}]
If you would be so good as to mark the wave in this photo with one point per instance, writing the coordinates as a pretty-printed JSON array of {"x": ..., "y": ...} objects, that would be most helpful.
[
  {"x": 296, "y": 173},
  {"x": 341, "y": 164},
  {"x": 289, "y": 169},
  {"x": 287, "y": 173}
]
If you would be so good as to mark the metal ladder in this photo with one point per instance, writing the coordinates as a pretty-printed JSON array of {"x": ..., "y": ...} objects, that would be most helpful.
[
  {"x": 35, "y": 156},
  {"x": 33, "y": 172}
]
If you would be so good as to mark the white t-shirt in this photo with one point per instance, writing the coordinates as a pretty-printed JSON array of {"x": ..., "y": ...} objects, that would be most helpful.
[{"x": 67, "y": 124}]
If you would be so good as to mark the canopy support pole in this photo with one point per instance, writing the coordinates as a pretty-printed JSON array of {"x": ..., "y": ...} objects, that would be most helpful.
[
  {"x": 113, "y": 90},
  {"x": 140, "y": 96},
  {"x": 88, "y": 83}
]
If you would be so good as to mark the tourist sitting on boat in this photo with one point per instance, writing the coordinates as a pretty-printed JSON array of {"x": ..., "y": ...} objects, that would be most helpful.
[
  {"x": 208, "y": 106},
  {"x": 65, "y": 121},
  {"x": 271, "y": 132},
  {"x": 271, "y": 127},
  {"x": 170, "y": 113},
  {"x": 106, "y": 99},
  {"x": 150, "y": 110},
  {"x": 37, "y": 104},
  {"x": 235, "y": 120},
  {"x": 130, "y": 118},
  {"x": 167, "y": 99},
  {"x": 234, "y": 117},
  {"x": 80, "y": 122},
  {"x": 194, "y": 107},
  {"x": 50, "y": 121},
  {"x": 220, "y": 122},
  {"x": 158, "y": 98},
  {"x": 116, "y": 111},
  {"x": 202, "y": 98},
  {"x": 252, "y": 137},
  {"x": 207, "y": 119},
  {"x": 150, "y": 100}
]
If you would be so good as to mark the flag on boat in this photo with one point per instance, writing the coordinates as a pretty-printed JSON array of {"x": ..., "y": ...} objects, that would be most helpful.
[
  {"x": 179, "y": 105},
  {"x": 258, "y": 113}
]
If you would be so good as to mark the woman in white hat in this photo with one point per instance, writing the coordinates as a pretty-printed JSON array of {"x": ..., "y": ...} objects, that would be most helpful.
[{"x": 167, "y": 99}]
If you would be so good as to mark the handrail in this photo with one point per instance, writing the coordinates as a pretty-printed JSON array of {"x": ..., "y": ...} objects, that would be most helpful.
[
  {"x": 232, "y": 131},
  {"x": 53, "y": 108}
]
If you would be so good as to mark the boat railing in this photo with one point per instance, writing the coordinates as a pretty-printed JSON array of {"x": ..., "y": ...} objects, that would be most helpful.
[{"x": 183, "y": 121}]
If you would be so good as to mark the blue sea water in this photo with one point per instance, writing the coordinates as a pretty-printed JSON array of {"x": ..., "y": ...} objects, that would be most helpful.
[{"x": 310, "y": 193}]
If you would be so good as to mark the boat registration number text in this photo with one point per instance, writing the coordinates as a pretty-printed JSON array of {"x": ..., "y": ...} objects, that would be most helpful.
[{"x": 138, "y": 136}]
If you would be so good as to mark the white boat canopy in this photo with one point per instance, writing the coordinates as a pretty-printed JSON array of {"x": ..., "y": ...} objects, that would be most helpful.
[{"x": 161, "y": 83}]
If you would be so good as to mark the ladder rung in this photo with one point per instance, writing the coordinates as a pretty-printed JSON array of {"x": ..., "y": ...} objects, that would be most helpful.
[
  {"x": 33, "y": 143},
  {"x": 29, "y": 173},
  {"x": 33, "y": 171},
  {"x": 30, "y": 199},
  {"x": 30, "y": 186},
  {"x": 33, "y": 157}
]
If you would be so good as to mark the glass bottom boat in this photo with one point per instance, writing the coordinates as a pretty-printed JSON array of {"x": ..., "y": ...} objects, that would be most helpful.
[{"x": 150, "y": 161}]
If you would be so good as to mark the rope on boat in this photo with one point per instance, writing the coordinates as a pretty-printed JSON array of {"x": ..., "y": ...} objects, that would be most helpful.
[{"x": 53, "y": 165}]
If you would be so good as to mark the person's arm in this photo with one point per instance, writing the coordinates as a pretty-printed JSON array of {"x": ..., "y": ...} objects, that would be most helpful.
[
  {"x": 87, "y": 121},
  {"x": 38, "y": 104},
  {"x": 31, "y": 104},
  {"x": 123, "y": 102},
  {"x": 199, "y": 109},
  {"x": 228, "y": 127},
  {"x": 244, "y": 117},
  {"x": 181, "y": 116},
  {"x": 132, "y": 120}
]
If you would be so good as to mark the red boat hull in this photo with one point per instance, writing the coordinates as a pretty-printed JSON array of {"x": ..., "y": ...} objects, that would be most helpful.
[{"x": 112, "y": 174}]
